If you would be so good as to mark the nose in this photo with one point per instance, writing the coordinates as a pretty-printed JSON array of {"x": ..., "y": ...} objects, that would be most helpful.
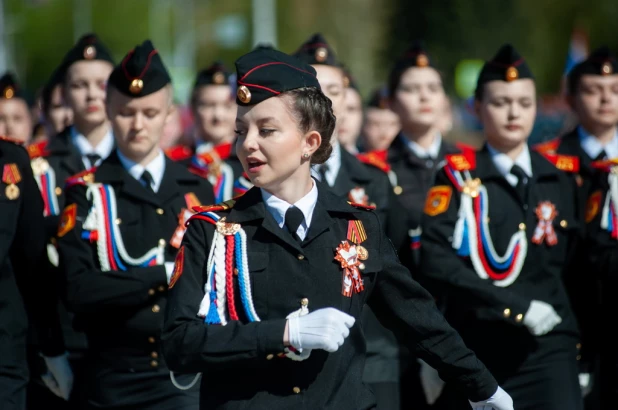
[
  {"x": 249, "y": 142},
  {"x": 514, "y": 110},
  {"x": 138, "y": 122}
]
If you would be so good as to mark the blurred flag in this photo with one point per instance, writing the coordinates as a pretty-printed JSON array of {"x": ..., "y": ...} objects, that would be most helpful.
[{"x": 578, "y": 49}]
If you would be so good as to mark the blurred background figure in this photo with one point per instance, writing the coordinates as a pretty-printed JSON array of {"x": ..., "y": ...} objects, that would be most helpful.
[
  {"x": 15, "y": 119},
  {"x": 381, "y": 124},
  {"x": 351, "y": 117},
  {"x": 173, "y": 132},
  {"x": 57, "y": 115}
]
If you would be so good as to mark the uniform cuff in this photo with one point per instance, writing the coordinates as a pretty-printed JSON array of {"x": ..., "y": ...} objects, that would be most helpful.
[{"x": 270, "y": 336}]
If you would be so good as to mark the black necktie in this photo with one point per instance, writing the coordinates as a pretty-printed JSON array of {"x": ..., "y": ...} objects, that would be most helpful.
[
  {"x": 147, "y": 180},
  {"x": 522, "y": 180},
  {"x": 322, "y": 170},
  {"x": 293, "y": 218},
  {"x": 602, "y": 156},
  {"x": 93, "y": 158}
]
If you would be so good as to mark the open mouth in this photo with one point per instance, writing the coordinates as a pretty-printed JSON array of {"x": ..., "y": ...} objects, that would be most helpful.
[{"x": 254, "y": 165}]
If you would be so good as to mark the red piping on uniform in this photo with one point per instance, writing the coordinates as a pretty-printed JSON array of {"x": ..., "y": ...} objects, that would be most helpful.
[
  {"x": 515, "y": 64},
  {"x": 273, "y": 63},
  {"x": 124, "y": 62},
  {"x": 259, "y": 86}
]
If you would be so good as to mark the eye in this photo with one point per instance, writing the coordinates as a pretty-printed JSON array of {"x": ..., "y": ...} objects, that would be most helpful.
[{"x": 266, "y": 131}]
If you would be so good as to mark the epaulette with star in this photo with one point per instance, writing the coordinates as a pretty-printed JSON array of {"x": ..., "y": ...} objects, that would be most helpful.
[
  {"x": 179, "y": 152},
  {"x": 547, "y": 147},
  {"x": 38, "y": 150},
  {"x": 361, "y": 206},
  {"x": 464, "y": 147},
  {"x": 567, "y": 163},
  {"x": 82, "y": 178},
  {"x": 9, "y": 139},
  {"x": 466, "y": 161},
  {"x": 375, "y": 159}
]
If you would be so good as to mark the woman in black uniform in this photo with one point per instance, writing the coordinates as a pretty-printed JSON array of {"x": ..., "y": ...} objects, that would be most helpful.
[{"x": 267, "y": 289}]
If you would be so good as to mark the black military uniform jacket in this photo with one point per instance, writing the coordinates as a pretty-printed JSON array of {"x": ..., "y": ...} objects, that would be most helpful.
[
  {"x": 489, "y": 317},
  {"x": 26, "y": 291},
  {"x": 121, "y": 312},
  {"x": 241, "y": 369}
]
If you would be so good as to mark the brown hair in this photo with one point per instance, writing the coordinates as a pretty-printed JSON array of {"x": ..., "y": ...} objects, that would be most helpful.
[{"x": 313, "y": 111}]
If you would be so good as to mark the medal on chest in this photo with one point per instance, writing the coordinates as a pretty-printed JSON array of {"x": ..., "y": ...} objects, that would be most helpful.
[
  {"x": 350, "y": 256},
  {"x": 546, "y": 213},
  {"x": 46, "y": 180},
  {"x": 11, "y": 177},
  {"x": 358, "y": 196}
]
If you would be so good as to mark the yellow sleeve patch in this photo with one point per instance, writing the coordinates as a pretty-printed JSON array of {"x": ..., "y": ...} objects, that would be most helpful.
[
  {"x": 438, "y": 199},
  {"x": 178, "y": 267},
  {"x": 67, "y": 220},
  {"x": 592, "y": 206}
]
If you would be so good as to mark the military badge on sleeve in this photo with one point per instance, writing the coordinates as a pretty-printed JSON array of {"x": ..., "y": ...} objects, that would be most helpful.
[
  {"x": 178, "y": 267},
  {"x": 438, "y": 200},
  {"x": 67, "y": 220}
]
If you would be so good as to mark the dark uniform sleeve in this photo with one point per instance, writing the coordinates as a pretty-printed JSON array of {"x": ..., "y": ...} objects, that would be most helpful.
[
  {"x": 190, "y": 345},
  {"x": 402, "y": 304},
  {"x": 441, "y": 266},
  {"x": 88, "y": 288},
  {"x": 602, "y": 248},
  {"x": 32, "y": 271}
]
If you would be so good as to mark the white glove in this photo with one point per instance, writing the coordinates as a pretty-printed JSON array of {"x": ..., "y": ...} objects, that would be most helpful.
[
  {"x": 541, "y": 318},
  {"x": 431, "y": 382},
  {"x": 499, "y": 401},
  {"x": 585, "y": 383},
  {"x": 324, "y": 329},
  {"x": 169, "y": 270},
  {"x": 59, "y": 376}
]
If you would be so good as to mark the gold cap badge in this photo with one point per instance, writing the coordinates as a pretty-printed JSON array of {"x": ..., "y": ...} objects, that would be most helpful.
[
  {"x": 321, "y": 54},
  {"x": 218, "y": 78},
  {"x": 512, "y": 74},
  {"x": 136, "y": 86},
  {"x": 607, "y": 69},
  {"x": 90, "y": 52},
  {"x": 9, "y": 92},
  {"x": 422, "y": 60},
  {"x": 243, "y": 94}
]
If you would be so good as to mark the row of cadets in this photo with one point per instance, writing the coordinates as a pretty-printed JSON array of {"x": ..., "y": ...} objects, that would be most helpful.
[
  {"x": 499, "y": 229},
  {"x": 381, "y": 125},
  {"x": 270, "y": 288},
  {"x": 28, "y": 295},
  {"x": 351, "y": 123},
  {"x": 118, "y": 237},
  {"x": 56, "y": 113},
  {"x": 213, "y": 154},
  {"x": 15, "y": 117}
]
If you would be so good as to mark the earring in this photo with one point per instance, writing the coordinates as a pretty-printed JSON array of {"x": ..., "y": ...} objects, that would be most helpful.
[{"x": 305, "y": 155}]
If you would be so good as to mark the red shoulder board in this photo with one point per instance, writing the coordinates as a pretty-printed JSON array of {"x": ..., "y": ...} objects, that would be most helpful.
[
  {"x": 361, "y": 206},
  {"x": 565, "y": 163},
  {"x": 223, "y": 206},
  {"x": 374, "y": 159},
  {"x": 464, "y": 147},
  {"x": 82, "y": 178},
  {"x": 547, "y": 147},
  {"x": 605, "y": 165},
  {"x": 37, "y": 150},
  {"x": 224, "y": 150},
  {"x": 13, "y": 140},
  {"x": 462, "y": 162},
  {"x": 179, "y": 153}
]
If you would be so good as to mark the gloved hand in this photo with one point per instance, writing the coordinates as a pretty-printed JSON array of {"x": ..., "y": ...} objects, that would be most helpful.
[
  {"x": 541, "y": 318},
  {"x": 585, "y": 383},
  {"x": 499, "y": 401},
  {"x": 431, "y": 382},
  {"x": 169, "y": 270},
  {"x": 324, "y": 329},
  {"x": 59, "y": 376}
]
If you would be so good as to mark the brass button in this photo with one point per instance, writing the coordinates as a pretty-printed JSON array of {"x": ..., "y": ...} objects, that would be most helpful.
[
  {"x": 522, "y": 226},
  {"x": 154, "y": 363},
  {"x": 362, "y": 266},
  {"x": 519, "y": 318},
  {"x": 161, "y": 288},
  {"x": 270, "y": 357},
  {"x": 151, "y": 340},
  {"x": 579, "y": 357},
  {"x": 151, "y": 292},
  {"x": 160, "y": 211},
  {"x": 296, "y": 390},
  {"x": 398, "y": 190},
  {"x": 161, "y": 242},
  {"x": 154, "y": 355},
  {"x": 300, "y": 257},
  {"x": 507, "y": 313},
  {"x": 564, "y": 223},
  {"x": 578, "y": 346},
  {"x": 304, "y": 302},
  {"x": 156, "y": 309},
  {"x": 118, "y": 221},
  {"x": 58, "y": 191}
]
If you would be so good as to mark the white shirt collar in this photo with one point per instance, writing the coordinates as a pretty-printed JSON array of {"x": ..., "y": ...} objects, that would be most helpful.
[
  {"x": 156, "y": 167},
  {"x": 277, "y": 208},
  {"x": 333, "y": 163},
  {"x": 203, "y": 147},
  {"x": 433, "y": 151},
  {"x": 504, "y": 163},
  {"x": 103, "y": 149},
  {"x": 593, "y": 147}
]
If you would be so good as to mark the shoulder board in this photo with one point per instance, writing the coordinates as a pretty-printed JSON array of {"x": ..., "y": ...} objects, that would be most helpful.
[
  {"x": 464, "y": 147},
  {"x": 37, "y": 150},
  {"x": 224, "y": 206},
  {"x": 565, "y": 163},
  {"x": 13, "y": 140},
  {"x": 547, "y": 147},
  {"x": 361, "y": 206},
  {"x": 82, "y": 178},
  {"x": 179, "y": 152},
  {"x": 605, "y": 165},
  {"x": 224, "y": 150},
  {"x": 462, "y": 162},
  {"x": 375, "y": 159}
]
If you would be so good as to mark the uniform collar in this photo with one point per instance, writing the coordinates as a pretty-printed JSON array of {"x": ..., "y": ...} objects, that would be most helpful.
[
  {"x": 277, "y": 207},
  {"x": 333, "y": 164},
  {"x": 486, "y": 168},
  {"x": 593, "y": 147},
  {"x": 504, "y": 163},
  {"x": 156, "y": 168},
  {"x": 103, "y": 149},
  {"x": 432, "y": 152}
]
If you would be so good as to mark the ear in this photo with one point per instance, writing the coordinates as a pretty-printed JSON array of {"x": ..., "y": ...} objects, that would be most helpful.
[
  {"x": 170, "y": 113},
  {"x": 313, "y": 140}
]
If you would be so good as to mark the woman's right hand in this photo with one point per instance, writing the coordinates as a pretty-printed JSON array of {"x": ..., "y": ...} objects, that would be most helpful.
[{"x": 324, "y": 329}]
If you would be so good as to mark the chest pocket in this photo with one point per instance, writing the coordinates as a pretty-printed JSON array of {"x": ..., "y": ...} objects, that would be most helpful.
[{"x": 258, "y": 274}]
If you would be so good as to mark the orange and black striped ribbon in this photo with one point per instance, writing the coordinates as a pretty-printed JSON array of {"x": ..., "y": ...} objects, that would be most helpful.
[
  {"x": 356, "y": 231},
  {"x": 11, "y": 174}
]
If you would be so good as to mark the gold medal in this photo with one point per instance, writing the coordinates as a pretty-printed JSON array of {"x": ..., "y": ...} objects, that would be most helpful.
[
  {"x": 12, "y": 191},
  {"x": 362, "y": 252}
]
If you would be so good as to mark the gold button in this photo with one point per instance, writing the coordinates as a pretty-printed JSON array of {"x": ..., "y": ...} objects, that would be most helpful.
[
  {"x": 398, "y": 190},
  {"x": 151, "y": 339},
  {"x": 578, "y": 346},
  {"x": 304, "y": 302},
  {"x": 235, "y": 272},
  {"x": 579, "y": 357},
  {"x": 154, "y": 355},
  {"x": 58, "y": 191},
  {"x": 156, "y": 309},
  {"x": 154, "y": 363},
  {"x": 296, "y": 390},
  {"x": 519, "y": 318},
  {"x": 161, "y": 288},
  {"x": 300, "y": 257},
  {"x": 270, "y": 357},
  {"x": 507, "y": 313},
  {"x": 522, "y": 226},
  {"x": 161, "y": 242},
  {"x": 160, "y": 211},
  {"x": 151, "y": 292},
  {"x": 564, "y": 223},
  {"x": 361, "y": 266},
  {"x": 118, "y": 221}
]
